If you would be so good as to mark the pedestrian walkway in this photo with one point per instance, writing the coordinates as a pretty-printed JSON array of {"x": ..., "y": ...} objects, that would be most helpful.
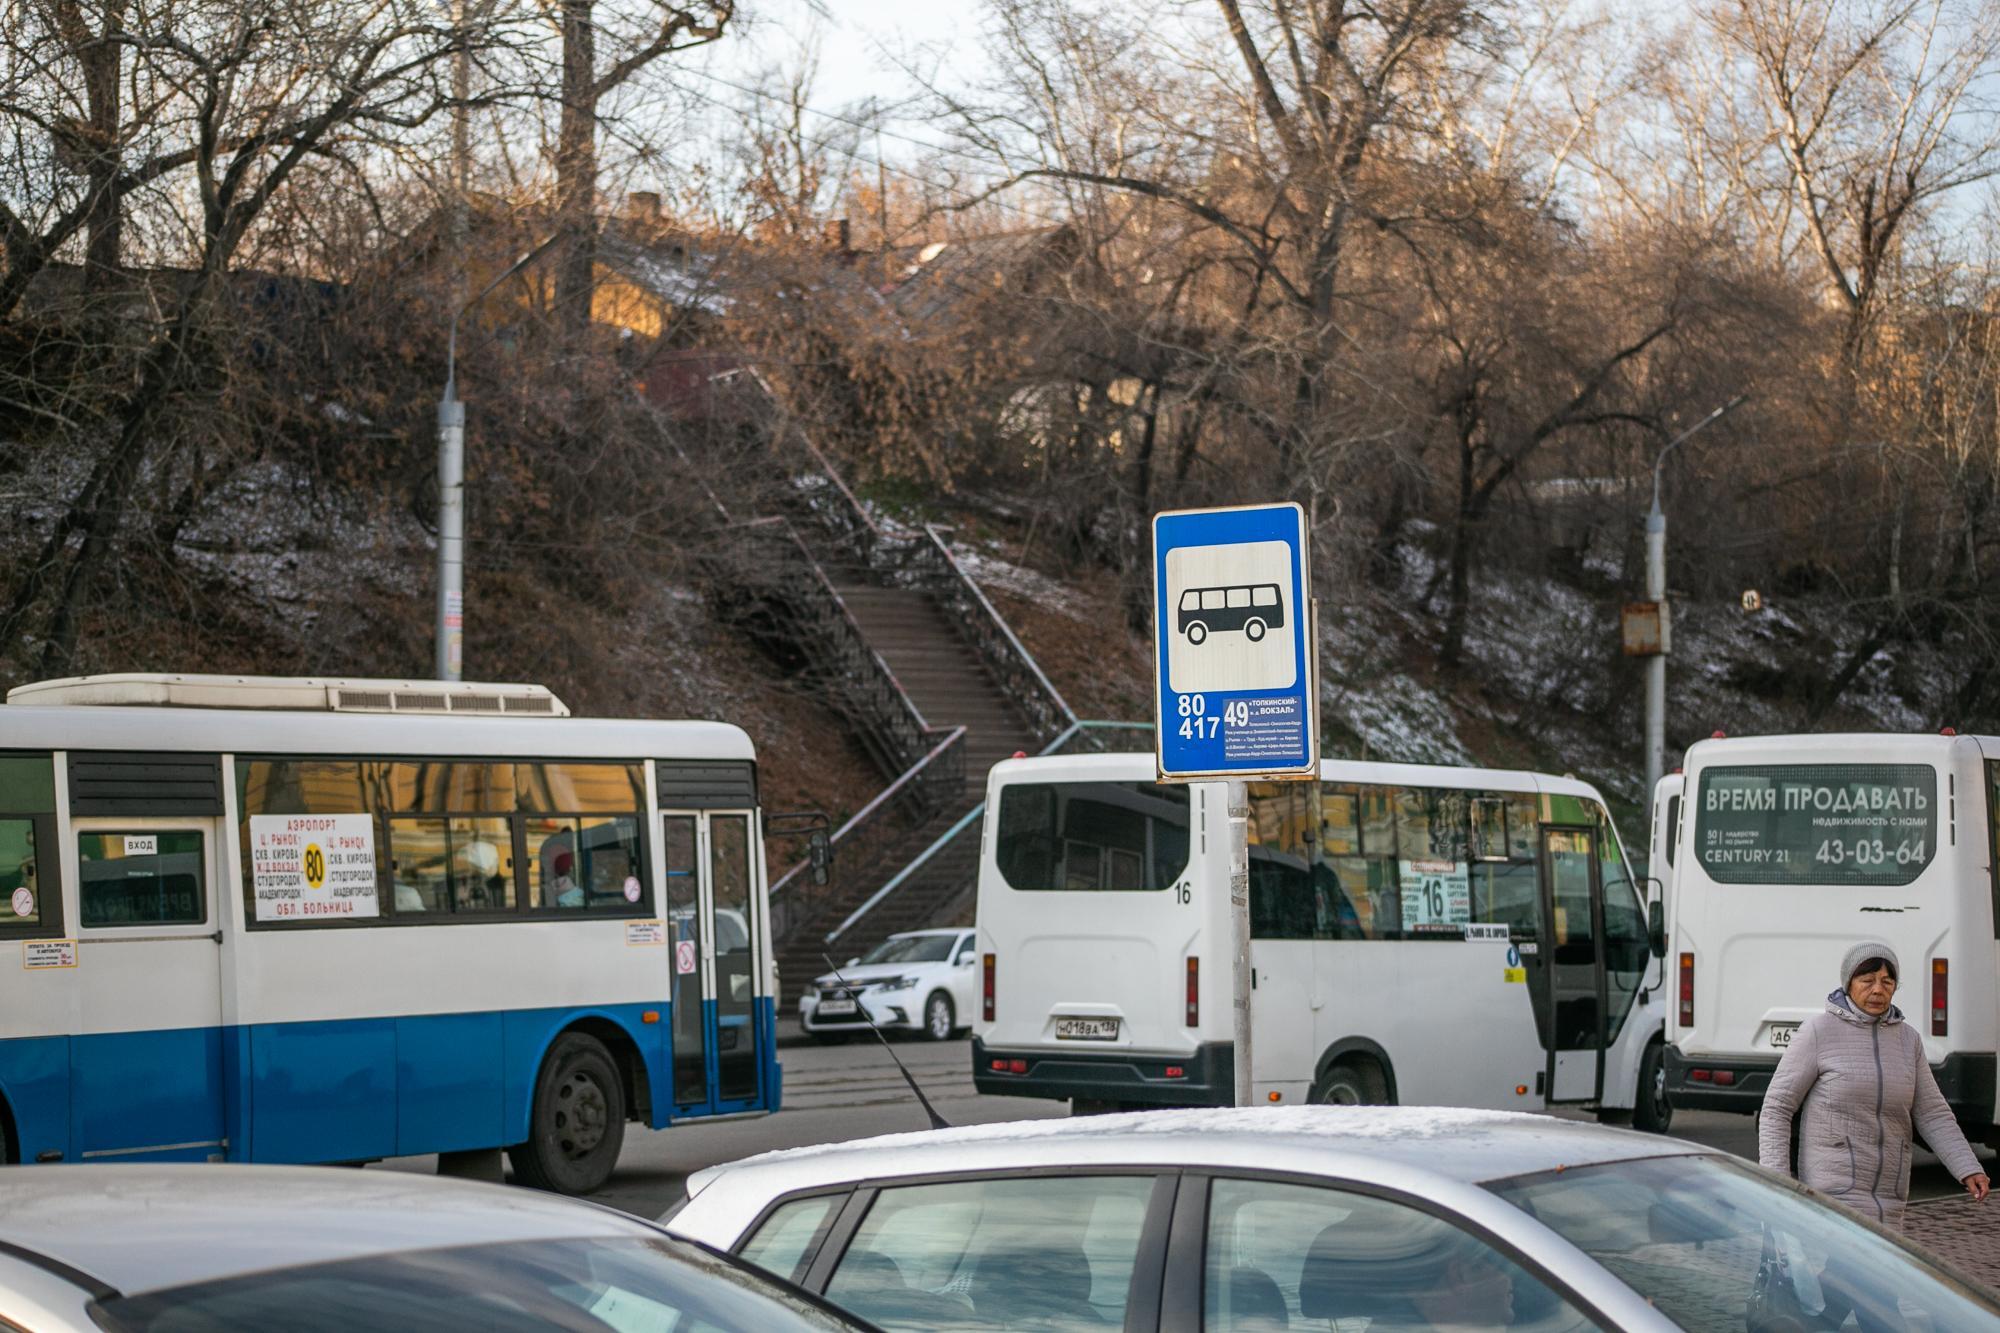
[{"x": 1964, "y": 1234}]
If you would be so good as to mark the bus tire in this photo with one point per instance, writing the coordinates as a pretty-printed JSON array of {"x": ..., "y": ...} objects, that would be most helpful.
[
  {"x": 1197, "y": 632},
  {"x": 1254, "y": 630},
  {"x": 1352, "y": 1083},
  {"x": 1651, "y": 1110},
  {"x": 940, "y": 1018},
  {"x": 576, "y": 1124}
]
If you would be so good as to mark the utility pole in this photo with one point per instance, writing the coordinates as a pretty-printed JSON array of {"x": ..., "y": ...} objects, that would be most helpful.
[
  {"x": 451, "y": 412},
  {"x": 451, "y": 487},
  {"x": 1656, "y": 592}
]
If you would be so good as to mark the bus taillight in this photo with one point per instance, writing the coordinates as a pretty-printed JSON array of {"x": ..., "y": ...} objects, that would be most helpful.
[
  {"x": 986, "y": 992},
  {"x": 1940, "y": 996},
  {"x": 1194, "y": 993},
  {"x": 1687, "y": 991}
]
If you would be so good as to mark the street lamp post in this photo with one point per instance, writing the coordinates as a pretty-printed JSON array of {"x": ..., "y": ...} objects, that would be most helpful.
[
  {"x": 1656, "y": 592},
  {"x": 451, "y": 489}
]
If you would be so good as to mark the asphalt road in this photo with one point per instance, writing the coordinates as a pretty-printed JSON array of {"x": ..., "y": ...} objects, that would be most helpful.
[{"x": 852, "y": 1091}]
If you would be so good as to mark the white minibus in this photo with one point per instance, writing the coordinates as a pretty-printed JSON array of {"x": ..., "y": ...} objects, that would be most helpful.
[
  {"x": 262, "y": 920},
  {"x": 1784, "y": 852},
  {"x": 1419, "y": 935}
]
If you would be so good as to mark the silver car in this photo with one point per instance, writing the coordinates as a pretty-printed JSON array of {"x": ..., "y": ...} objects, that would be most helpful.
[
  {"x": 305, "y": 1249},
  {"x": 1316, "y": 1218}
]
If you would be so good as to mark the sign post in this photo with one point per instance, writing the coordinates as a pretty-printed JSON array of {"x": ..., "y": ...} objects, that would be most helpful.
[{"x": 1235, "y": 682}]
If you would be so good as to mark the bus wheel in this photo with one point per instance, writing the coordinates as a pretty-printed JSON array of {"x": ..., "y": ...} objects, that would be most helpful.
[
  {"x": 939, "y": 1019},
  {"x": 1357, "y": 1083},
  {"x": 577, "y": 1122},
  {"x": 1197, "y": 632},
  {"x": 1651, "y": 1111},
  {"x": 1254, "y": 631}
]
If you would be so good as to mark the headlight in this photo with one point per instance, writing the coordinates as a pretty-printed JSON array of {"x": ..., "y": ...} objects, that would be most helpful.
[{"x": 895, "y": 983}]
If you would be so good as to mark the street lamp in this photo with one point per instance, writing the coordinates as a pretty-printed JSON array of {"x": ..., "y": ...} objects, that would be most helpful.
[
  {"x": 451, "y": 489},
  {"x": 1656, "y": 592}
]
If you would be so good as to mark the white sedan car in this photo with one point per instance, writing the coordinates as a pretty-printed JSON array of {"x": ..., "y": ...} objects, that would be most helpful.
[
  {"x": 1318, "y": 1217},
  {"x": 200, "y": 1248},
  {"x": 920, "y": 980}
]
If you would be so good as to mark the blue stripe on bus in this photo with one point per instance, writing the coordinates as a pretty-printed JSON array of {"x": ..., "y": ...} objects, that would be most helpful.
[{"x": 336, "y": 1090}]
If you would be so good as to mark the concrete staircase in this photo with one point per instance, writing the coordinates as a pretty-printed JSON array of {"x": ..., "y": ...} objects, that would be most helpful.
[{"x": 943, "y": 676}]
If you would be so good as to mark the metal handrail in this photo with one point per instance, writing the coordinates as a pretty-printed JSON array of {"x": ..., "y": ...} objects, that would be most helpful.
[
  {"x": 902, "y": 730},
  {"x": 1013, "y": 666},
  {"x": 922, "y": 858},
  {"x": 872, "y": 534},
  {"x": 879, "y": 803},
  {"x": 896, "y": 880}
]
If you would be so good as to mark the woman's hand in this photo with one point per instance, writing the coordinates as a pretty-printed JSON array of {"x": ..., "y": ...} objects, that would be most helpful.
[{"x": 1976, "y": 1185}]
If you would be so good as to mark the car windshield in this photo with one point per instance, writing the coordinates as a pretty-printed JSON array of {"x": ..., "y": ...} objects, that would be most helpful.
[
  {"x": 1713, "y": 1243},
  {"x": 912, "y": 949},
  {"x": 622, "y": 1284}
]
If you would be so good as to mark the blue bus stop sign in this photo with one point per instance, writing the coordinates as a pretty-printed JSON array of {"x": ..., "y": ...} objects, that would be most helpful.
[{"x": 1235, "y": 674}]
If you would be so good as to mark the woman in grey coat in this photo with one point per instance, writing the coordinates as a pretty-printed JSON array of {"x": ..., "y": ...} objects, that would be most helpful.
[{"x": 1858, "y": 1071}]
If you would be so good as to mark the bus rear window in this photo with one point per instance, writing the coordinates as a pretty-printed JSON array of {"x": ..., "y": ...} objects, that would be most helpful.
[
  {"x": 1816, "y": 823},
  {"x": 1092, "y": 836}
]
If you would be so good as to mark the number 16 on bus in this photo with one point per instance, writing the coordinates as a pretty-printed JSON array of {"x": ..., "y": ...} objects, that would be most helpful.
[{"x": 1236, "y": 668}]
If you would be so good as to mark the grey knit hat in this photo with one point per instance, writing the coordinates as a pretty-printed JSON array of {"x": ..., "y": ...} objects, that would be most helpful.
[{"x": 1861, "y": 953}]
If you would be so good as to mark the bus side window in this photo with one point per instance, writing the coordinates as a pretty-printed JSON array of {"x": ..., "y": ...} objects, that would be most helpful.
[{"x": 1673, "y": 826}]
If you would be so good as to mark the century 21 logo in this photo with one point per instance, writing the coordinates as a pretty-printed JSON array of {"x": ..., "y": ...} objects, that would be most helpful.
[{"x": 315, "y": 865}]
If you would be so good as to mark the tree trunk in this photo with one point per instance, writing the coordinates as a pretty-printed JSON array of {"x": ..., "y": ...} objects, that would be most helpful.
[
  {"x": 576, "y": 170},
  {"x": 102, "y": 67},
  {"x": 100, "y": 524}
]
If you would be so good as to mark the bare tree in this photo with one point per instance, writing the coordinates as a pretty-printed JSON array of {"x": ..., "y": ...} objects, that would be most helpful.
[
  {"x": 244, "y": 95},
  {"x": 605, "y": 44}
]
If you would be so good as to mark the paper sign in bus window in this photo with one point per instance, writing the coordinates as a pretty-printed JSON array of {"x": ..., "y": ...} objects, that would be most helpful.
[
  {"x": 1231, "y": 618},
  {"x": 312, "y": 867},
  {"x": 1437, "y": 895}
]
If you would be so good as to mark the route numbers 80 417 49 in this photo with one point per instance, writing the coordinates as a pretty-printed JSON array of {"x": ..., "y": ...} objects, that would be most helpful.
[{"x": 1196, "y": 724}]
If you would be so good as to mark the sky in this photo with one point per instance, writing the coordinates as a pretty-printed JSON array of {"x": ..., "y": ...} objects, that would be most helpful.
[{"x": 853, "y": 37}]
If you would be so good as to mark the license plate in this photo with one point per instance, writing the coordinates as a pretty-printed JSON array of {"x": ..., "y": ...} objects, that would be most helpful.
[
  {"x": 1781, "y": 1033},
  {"x": 830, "y": 1007},
  {"x": 1087, "y": 1029}
]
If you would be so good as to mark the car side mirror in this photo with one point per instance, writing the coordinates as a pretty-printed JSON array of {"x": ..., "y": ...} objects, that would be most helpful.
[
  {"x": 966, "y": 960},
  {"x": 851, "y": 962},
  {"x": 1656, "y": 928}
]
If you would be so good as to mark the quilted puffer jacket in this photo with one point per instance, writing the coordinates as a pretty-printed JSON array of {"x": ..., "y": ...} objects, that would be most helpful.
[{"x": 1862, "y": 1082}]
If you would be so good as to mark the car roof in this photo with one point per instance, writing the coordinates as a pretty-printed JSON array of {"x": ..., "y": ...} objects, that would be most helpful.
[
  {"x": 140, "y": 1228},
  {"x": 1386, "y": 1144}
]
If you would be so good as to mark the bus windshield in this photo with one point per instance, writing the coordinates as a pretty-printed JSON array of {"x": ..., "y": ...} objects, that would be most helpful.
[{"x": 1854, "y": 824}]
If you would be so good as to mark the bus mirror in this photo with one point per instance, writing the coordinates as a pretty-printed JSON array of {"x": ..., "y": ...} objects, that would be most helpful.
[
  {"x": 1656, "y": 928},
  {"x": 821, "y": 854}
]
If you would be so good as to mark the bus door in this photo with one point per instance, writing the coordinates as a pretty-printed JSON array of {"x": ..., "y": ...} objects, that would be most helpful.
[
  {"x": 715, "y": 933},
  {"x": 146, "y": 1059},
  {"x": 1570, "y": 989}
]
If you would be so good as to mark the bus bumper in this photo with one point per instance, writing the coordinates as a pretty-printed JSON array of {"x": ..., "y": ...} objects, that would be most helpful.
[
  {"x": 1206, "y": 1078},
  {"x": 1966, "y": 1079}
]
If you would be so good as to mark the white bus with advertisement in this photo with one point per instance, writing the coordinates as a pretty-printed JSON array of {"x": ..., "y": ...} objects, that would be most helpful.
[
  {"x": 1785, "y": 851},
  {"x": 1419, "y": 935},
  {"x": 263, "y": 920}
]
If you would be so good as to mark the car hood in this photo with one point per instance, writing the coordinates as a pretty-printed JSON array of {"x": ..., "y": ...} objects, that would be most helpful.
[{"x": 872, "y": 972}]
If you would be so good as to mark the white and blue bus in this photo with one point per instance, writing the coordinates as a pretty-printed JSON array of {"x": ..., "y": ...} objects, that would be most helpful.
[
  {"x": 1420, "y": 935},
  {"x": 261, "y": 920}
]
